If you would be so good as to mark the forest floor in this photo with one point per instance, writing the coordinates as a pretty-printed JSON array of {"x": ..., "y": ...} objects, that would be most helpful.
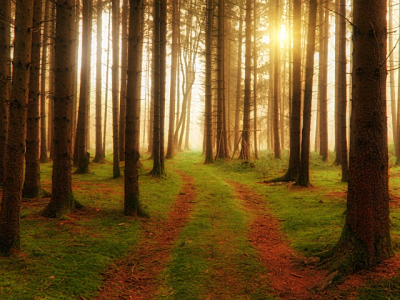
[{"x": 215, "y": 232}]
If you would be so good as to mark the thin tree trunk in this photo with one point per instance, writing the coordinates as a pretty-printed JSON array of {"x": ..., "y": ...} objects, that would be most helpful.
[
  {"x": 277, "y": 147},
  {"x": 115, "y": 83},
  {"x": 124, "y": 62},
  {"x": 99, "y": 149},
  {"x": 106, "y": 89},
  {"x": 304, "y": 178},
  {"x": 245, "y": 151},
  {"x": 174, "y": 57},
  {"x": 5, "y": 14},
  {"x": 239, "y": 79},
  {"x": 338, "y": 156},
  {"x": 255, "y": 81},
  {"x": 32, "y": 187},
  {"x": 43, "y": 79},
  {"x": 398, "y": 112},
  {"x": 83, "y": 160},
  {"x": 343, "y": 91},
  {"x": 208, "y": 101},
  {"x": 392, "y": 79},
  {"x": 323, "y": 127}
]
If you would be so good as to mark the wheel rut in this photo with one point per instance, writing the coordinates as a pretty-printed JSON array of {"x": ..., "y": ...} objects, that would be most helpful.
[{"x": 135, "y": 277}]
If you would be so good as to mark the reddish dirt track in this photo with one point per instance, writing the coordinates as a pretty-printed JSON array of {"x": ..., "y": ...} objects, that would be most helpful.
[
  {"x": 289, "y": 279},
  {"x": 134, "y": 276}
]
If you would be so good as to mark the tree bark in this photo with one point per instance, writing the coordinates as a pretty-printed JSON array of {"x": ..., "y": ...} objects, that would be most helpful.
[
  {"x": 83, "y": 159},
  {"x": 304, "y": 177},
  {"x": 62, "y": 199},
  {"x": 365, "y": 239},
  {"x": 5, "y": 14},
  {"x": 124, "y": 62},
  {"x": 323, "y": 116},
  {"x": 255, "y": 81},
  {"x": 174, "y": 58},
  {"x": 12, "y": 185},
  {"x": 277, "y": 147},
  {"x": 43, "y": 80},
  {"x": 132, "y": 205},
  {"x": 239, "y": 80},
  {"x": 245, "y": 151},
  {"x": 32, "y": 187},
  {"x": 208, "y": 101},
  {"x": 343, "y": 91},
  {"x": 338, "y": 156},
  {"x": 392, "y": 81},
  {"x": 99, "y": 149},
  {"x": 115, "y": 83}
]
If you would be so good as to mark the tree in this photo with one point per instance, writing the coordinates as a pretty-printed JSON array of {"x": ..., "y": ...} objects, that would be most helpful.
[
  {"x": 277, "y": 147},
  {"x": 304, "y": 178},
  {"x": 124, "y": 64},
  {"x": 245, "y": 151},
  {"x": 323, "y": 88},
  {"x": 132, "y": 204},
  {"x": 338, "y": 153},
  {"x": 174, "y": 58},
  {"x": 5, "y": 14},
  {"x": 159, "y": 86},
  {"x": 255, "y": 81},
  {"x": 208, "y": 101},
  {"x": 392, "y": 76},
  {"x": 32, "y": 187},
  {"x": 62, "y": 199},
  {"x": 114, "y": 89},
  {"x": 342, "y": 91},
  {"x": 43, "y": 77},
  {"x": 365, "y": 239},
  {"x": 15, "y": 149},
  {"x": 83, "y": 159},
  {"x": 239, "y": 80},
  {"x": 99, "y": 149},
  {"x": 295, "y": 121}
]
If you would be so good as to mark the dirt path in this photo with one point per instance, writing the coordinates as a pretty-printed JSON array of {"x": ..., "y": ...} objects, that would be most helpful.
[
  {"x": 291, "y": 280},
  {"x": 135, "y": 277}
]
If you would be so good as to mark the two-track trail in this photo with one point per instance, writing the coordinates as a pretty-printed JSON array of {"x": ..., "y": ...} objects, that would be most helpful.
[{"x": 134, "y": 276}]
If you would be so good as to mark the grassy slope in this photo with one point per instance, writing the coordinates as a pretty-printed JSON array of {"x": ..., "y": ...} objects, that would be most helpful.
[{"x": 64, "y": 259}]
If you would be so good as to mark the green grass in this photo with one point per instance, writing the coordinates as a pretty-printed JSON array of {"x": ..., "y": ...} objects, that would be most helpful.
[
  {"x": 65, "y": 258},
  {"x": 212, "y": 248}
]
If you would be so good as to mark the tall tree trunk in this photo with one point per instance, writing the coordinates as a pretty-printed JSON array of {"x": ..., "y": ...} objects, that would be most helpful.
[
  {"x": 106, "y": 89},
  {"x": 221, "y": 132},
  {"x": 239, "y": 81},
  {"x": 124, "y": 62},
  {"x": 43, "y": 80},
  {"x": 12, "y": 185},
  {"x": 255, "y": 81},
  {"x": 62, "y": 199},
  {"x": 32, "y": 187},
  {"x": 75, "y": 86},
  {"x": 5, "y": 14},
  {"x": 50, "y": 121},
  {"x": 208, "y": 101},
  {"x": 343, "y": 91},
  {"x": 398, "y": 112},
  {"x": 365, "y": 239},
  {"x": 338, "y": 156},
  {"x": 83, "y": 160},
  {"x": 304, "y": 178},
  {"x": 99, "y": 149},
  {"x": 159, "y": 87},
  {"x": 174, "y": 58},
  {"x": 295, "y": 122},
  {"x": 323, "y": 125},
  {"x": 132, "y": 205},
  {"x": 277, "y": 147},
  {"x": 115, "y": 83},
  {"x": 392, "y": 81},
  {"x": 245, "y": 151}
]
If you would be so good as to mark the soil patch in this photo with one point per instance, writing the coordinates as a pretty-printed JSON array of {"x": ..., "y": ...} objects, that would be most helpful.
[
  {"x": 289, "y": 278},
  {"x": 134, "y": 277}
]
